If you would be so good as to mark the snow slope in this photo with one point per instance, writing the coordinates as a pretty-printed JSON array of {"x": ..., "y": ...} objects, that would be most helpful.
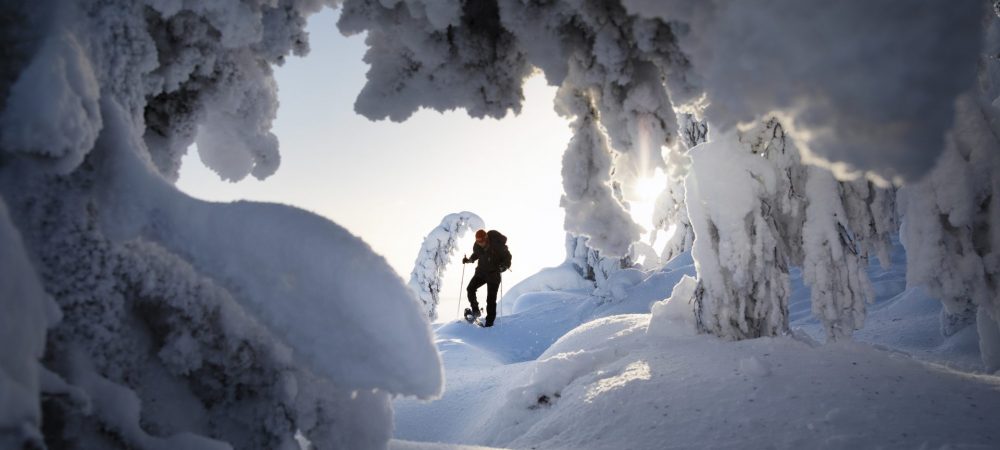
[{"x": 575, "y": 371}]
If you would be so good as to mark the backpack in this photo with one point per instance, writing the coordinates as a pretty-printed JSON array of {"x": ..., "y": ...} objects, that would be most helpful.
[{"x": 498, "y": 242}]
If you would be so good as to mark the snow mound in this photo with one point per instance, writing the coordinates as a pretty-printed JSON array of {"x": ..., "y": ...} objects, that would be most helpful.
[
  {"x": 563, "y": 277},
  {"x": 703, "y": 392},
  {"x": 322, "y": 291}
]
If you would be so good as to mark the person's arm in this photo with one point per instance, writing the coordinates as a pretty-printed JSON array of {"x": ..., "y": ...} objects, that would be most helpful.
[{"x": 475, "y": 254}]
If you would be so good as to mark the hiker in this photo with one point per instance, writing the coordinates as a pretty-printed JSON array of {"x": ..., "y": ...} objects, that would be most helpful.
[{"x": 491, "y": 252}]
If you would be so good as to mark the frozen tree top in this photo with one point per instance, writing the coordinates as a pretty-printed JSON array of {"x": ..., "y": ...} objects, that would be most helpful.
[{"x": 845, "y": 77}]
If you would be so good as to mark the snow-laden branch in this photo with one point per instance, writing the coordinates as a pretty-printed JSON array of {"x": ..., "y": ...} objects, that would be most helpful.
[
  {"x": 435, "y": 255},
  {"x": 638, "y": 61},
  {"x": 861, "y": 86}
]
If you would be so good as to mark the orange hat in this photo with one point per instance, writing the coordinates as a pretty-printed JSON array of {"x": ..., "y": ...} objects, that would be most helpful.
[{"x": 481, "y": 234}]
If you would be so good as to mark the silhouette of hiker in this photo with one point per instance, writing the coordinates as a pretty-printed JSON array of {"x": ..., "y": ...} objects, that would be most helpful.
[{"x": 489, "y": 251}]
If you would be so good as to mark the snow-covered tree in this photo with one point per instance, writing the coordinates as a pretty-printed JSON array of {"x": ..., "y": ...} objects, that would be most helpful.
[
  {"x": 601, "y": 271},
  {"x": 670, "y": 213},
  {"x": 826, "y": 227},
  {"x": 951, "y": 219},
  {"x": 435, "y": 255},
  {"x": 950, "y": 224},
  {"x": 592, "y": 208},
  {"x": 742, "y": 268},
  {"x": 834, "y": 264},
  {"x": 787, "y": 206},
  {"x": 804, "y": 217}
]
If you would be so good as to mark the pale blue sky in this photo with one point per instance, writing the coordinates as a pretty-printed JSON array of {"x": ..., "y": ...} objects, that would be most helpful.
[{"x": 391, "y": 183}]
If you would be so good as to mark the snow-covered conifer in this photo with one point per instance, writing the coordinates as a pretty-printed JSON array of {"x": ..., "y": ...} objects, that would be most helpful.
[
  {"x": 834, "y": 264},
  {"x": 671, "y": 212},
  {"x": 592, "y": 209},
  {"x": 951, "y": 219},
  {"x": 801, "y": 220},
  {"x": 742, "y": 268},
  {"x": 594, "y": 267}
]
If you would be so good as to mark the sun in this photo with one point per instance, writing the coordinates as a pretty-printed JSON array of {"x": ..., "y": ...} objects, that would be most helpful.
[
  {"x": 646, "y": 190},
  {"x": 649, "y": 188}
]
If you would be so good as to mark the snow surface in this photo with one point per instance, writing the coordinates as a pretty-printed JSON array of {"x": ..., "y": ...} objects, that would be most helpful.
[{"x": 570, "y": 370}]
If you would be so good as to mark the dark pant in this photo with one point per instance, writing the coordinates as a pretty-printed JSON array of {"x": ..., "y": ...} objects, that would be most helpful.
[{"x": 492, "y": 284}]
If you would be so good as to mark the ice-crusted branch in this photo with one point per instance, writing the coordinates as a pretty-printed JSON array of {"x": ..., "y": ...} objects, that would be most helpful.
[{"x": 435, "y": 255}]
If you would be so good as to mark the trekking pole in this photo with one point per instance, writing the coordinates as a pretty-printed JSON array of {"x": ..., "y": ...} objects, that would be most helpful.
[
  {"x": 458, "y": 309},
  {"x": 501, "y": 303}
]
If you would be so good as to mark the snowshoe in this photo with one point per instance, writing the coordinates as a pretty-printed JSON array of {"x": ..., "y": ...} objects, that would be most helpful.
[{"x": 471, "y": 316}]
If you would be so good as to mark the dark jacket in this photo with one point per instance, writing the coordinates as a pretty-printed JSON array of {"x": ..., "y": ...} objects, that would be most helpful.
[
  {"x": 491, "y": 258},
  {"x": 487, "y": 260}
]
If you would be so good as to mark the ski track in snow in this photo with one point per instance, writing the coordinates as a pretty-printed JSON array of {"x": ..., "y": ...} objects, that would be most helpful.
[{"x": 578, "y": 372}]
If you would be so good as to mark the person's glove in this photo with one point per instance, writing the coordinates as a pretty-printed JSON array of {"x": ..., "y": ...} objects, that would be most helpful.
[{"x": 465, "y": 260}]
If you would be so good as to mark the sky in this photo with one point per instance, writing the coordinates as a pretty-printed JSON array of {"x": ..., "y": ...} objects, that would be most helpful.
[{"x": 392, "y": 183}]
